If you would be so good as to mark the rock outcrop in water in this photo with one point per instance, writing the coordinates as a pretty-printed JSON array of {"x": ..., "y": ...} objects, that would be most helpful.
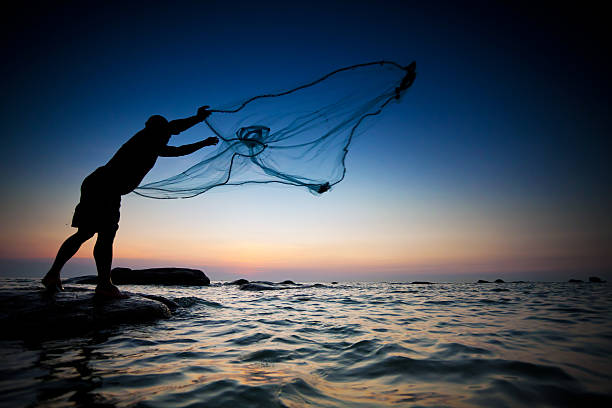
[
  {"x": 152, "y": 276},
  {"x": 238, "y": 282},
  {"x": 267, "y": 285},
  {"x": 31, "y": 313},
  {"x": 592, "y": 279}
]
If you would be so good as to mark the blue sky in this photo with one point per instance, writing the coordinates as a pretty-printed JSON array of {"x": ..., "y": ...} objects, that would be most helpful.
[{"x": 495, "y": 162}]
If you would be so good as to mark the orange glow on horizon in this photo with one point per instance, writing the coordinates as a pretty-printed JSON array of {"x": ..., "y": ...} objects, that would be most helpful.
[{"x": 401, "y": 241}]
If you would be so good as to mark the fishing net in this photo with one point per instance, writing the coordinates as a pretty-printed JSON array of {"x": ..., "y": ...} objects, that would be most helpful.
[{"x": 299, "y": 137}]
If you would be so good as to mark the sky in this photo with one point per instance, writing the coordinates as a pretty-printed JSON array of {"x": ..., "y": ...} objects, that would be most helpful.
[{"x": 495, "y": 163}]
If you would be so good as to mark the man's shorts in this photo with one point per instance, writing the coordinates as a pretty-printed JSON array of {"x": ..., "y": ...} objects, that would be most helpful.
[{"x": 98, "y": 209}]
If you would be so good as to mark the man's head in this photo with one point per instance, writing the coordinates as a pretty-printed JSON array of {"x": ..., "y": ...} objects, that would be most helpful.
[{"x": 157, "y": 122}]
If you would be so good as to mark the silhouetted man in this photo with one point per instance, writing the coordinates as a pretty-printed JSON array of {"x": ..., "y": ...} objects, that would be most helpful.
[{"x": 101, "y": 191}]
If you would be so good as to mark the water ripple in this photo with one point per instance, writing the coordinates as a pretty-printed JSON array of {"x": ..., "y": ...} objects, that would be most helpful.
[{"x": 352, "y": 344}]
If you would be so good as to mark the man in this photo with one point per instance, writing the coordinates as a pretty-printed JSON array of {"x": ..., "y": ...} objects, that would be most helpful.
[{"x": 101, "y": 191}]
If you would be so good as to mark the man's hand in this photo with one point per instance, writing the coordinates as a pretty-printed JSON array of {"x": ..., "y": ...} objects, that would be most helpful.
[
  {"x": 203, "y": 112},
  {"x": 211, "y": 141},
  {"x": 180, "y": 125}
]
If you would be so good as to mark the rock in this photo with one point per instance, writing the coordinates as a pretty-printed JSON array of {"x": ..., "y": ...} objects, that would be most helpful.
[
  {"x": 266, "y": 285},
  {"x": 84, "y": 280},
  {"x": 499, "y": 281},
  {"x": 31, "y": 313},
  {"x": 259, "y": 285},
  {"x": 575, "y": 281},
  {"x": 421, "y": 283},
  {"x": 160, "y": 276},
  {"x": 595, "y": 279},
  {"x": 334, "y": 283},
  {"x": 483, "y": 281},
  {"x": 238, "y": 282},
  {"x": 171, "y": 304},
  {"x": 153, "y": 276}
]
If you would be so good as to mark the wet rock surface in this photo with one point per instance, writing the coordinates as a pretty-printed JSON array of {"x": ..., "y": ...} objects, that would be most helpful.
[
  {"x": 31, "y": 313},
  {"x": 245, "y": 284},
  {"x": 266, "y": 285},
  {"x": 152, "y": 276},
  {"x": 238, "y": 282}
]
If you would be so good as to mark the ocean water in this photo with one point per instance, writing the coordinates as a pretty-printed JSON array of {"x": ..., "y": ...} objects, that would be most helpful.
[{"x": 344, "y": 345}]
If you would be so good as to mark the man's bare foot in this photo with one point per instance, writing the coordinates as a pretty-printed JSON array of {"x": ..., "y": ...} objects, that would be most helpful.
[
  {"x": 52, "y": 283},
  {"x": 109, "y": 290}
]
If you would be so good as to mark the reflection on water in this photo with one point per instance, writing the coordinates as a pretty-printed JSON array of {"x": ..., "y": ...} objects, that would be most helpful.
[{"x": 356, "y": 344}]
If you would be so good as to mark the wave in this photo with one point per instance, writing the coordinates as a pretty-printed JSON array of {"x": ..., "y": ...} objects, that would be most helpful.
[
  {"x": 190, "y": 301},
  {"x": 361, "y": 344},
  {"x": 462, "y": 371},
  {"x": 252, "y": 339}
]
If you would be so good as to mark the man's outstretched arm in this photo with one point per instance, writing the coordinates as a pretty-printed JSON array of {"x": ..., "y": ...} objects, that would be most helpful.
[
  {"x": 175, "y": 151},
  {"x": 180, "y": 125}
]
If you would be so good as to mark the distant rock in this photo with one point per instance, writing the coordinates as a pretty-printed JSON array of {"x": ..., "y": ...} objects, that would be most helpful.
[
  {"x": 238, "y": 282},
  {"x": 31, "y": 313},
  {"x": 499, "y": 281},
  {"x": 592, "y": 279},
  {"x": 152, "y": 276},
  {"x": 483, "y": 281},
  {"x": 421, "y": 283},
  {"x": 260, "y": 285},
  {"x": 267, "y": 285},
  {"x": 334, "y": 283}
]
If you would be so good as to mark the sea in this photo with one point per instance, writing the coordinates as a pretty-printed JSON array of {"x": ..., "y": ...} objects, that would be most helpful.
[{"x": 350, "y": 344}]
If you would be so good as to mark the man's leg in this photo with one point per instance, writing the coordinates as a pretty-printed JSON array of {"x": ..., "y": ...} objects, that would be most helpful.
[
  {"x": 70, "y": 247},
  {"x": 103, "y": 254}
]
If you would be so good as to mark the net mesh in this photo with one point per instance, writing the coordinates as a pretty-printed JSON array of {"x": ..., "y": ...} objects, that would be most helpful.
[{"x": 299, "y": 137}]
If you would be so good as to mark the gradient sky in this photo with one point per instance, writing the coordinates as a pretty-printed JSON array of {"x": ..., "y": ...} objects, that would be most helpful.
[{"x": 495, "y": 164}]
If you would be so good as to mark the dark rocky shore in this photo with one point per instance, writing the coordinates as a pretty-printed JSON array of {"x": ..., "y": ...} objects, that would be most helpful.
[
  {"x": 32, "y": 313},
  {"x": 152, "y": 276}
]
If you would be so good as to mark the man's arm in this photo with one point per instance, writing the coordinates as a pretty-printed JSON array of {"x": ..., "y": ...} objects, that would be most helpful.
[
  {"x": 180, "y": 125},
  {"x": 175, "y": 151}
]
